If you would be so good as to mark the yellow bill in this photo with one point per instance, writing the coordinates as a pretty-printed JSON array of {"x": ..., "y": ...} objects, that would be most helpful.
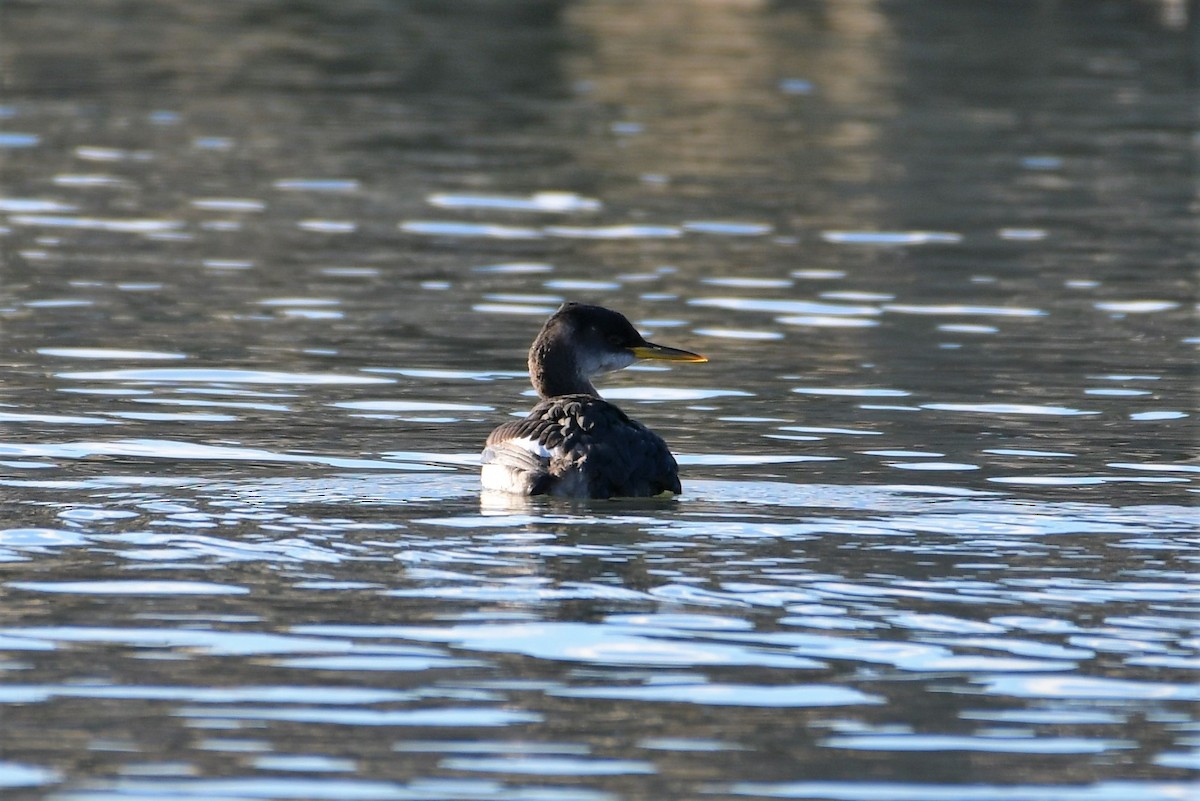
[{"x": 663, "y": 353}]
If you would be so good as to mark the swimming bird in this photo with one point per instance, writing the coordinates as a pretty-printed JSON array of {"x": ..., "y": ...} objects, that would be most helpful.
[{"x": 574, "y": 443}]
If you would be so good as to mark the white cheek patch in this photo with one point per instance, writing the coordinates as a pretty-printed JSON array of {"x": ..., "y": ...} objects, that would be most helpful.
[{"x": 605, "y": 363}]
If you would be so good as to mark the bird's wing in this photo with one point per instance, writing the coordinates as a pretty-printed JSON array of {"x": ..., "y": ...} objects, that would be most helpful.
[
  {"x": 517, "y": 456},
  {"x": 578, "y": 446}
]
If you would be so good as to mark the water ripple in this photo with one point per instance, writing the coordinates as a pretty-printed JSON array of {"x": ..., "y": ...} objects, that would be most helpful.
[
  {"x": 56, "y": 419},
  {"x": 902, "y": 791},
  {"x": 124, "y": 226},
  {"x": 550, "y": 766},
  {"x": 16, "y": 774},
  {"x": 230, "y": 204},
  {"x": 1008, "y": 408},
  {"x": 545, "y": 202},
  {"x": 776, "y": 306},
  {"x": 951, "y": 309},
  {"x": 411, "y": 406},
  {"x": 614, "y": 231},
  {"x": 728, "y": 228},
  {"x": 1086, "y": 687},
  {"x": 111, "y": 353},
  {"x": 12, "y": 139},
  {"x": 10, "y": 205},
  {"x": 582, "y": 642},
  {"x": 461, "y": 229},
  {"x": 222, "y": 376},
  {"x": 1137, "y": 306},
  {"x": 336, "y": 185},
  {"x": 890, "y": 238},
  {"x": 852, "y": 392},
  {"x": 988, "y": 744},
  {"x": 436, "y": 717},
  {"x": 174, "y": 449},
  {"x": 645, "y": 393},
  {"x": 803, "y": 695},
  {"x": 114, "y": 587}
]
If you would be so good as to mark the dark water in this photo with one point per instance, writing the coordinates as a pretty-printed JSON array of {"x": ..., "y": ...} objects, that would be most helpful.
[{"x": 269, "y": 271}]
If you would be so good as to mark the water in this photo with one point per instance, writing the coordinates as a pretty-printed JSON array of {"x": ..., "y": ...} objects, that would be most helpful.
[{"x": 269, "y": 274}]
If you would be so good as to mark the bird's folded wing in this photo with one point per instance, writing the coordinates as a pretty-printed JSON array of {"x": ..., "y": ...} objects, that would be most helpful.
[{"x": 516, "y": 464}]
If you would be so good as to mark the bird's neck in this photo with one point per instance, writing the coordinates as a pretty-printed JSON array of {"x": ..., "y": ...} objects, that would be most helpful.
[{"x": 554, "y": 371}]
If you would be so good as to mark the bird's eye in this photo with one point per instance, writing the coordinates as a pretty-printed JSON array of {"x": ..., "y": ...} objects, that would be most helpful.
[{"x": 615, "y": 341}]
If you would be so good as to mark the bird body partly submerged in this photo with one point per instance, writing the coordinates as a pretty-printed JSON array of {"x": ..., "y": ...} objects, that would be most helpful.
[
  {"x": 578, "y": 446},
  {"x": 574, "y": 443}
]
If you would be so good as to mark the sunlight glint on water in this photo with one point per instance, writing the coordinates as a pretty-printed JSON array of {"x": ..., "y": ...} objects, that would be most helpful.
[{"x": 269, "y": 280}]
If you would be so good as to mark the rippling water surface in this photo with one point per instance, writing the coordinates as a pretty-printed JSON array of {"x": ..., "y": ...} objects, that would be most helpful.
[{"x": 269, "y": 272}]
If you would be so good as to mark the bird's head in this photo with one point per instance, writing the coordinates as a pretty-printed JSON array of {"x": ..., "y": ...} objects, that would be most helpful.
[{"x": 580, "y": 341}]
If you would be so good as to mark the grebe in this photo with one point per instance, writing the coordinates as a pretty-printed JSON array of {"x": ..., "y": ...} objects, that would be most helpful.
[{"x": 574, "y": 443}]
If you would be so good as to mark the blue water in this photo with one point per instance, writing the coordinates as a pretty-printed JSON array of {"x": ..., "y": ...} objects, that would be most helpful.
[{"x": 268, "y": 281}]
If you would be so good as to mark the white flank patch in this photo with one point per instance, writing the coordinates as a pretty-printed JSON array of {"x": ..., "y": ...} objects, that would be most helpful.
[
  {"x": 531, "y": 445},
  {"x": 501, "y": 478}
]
